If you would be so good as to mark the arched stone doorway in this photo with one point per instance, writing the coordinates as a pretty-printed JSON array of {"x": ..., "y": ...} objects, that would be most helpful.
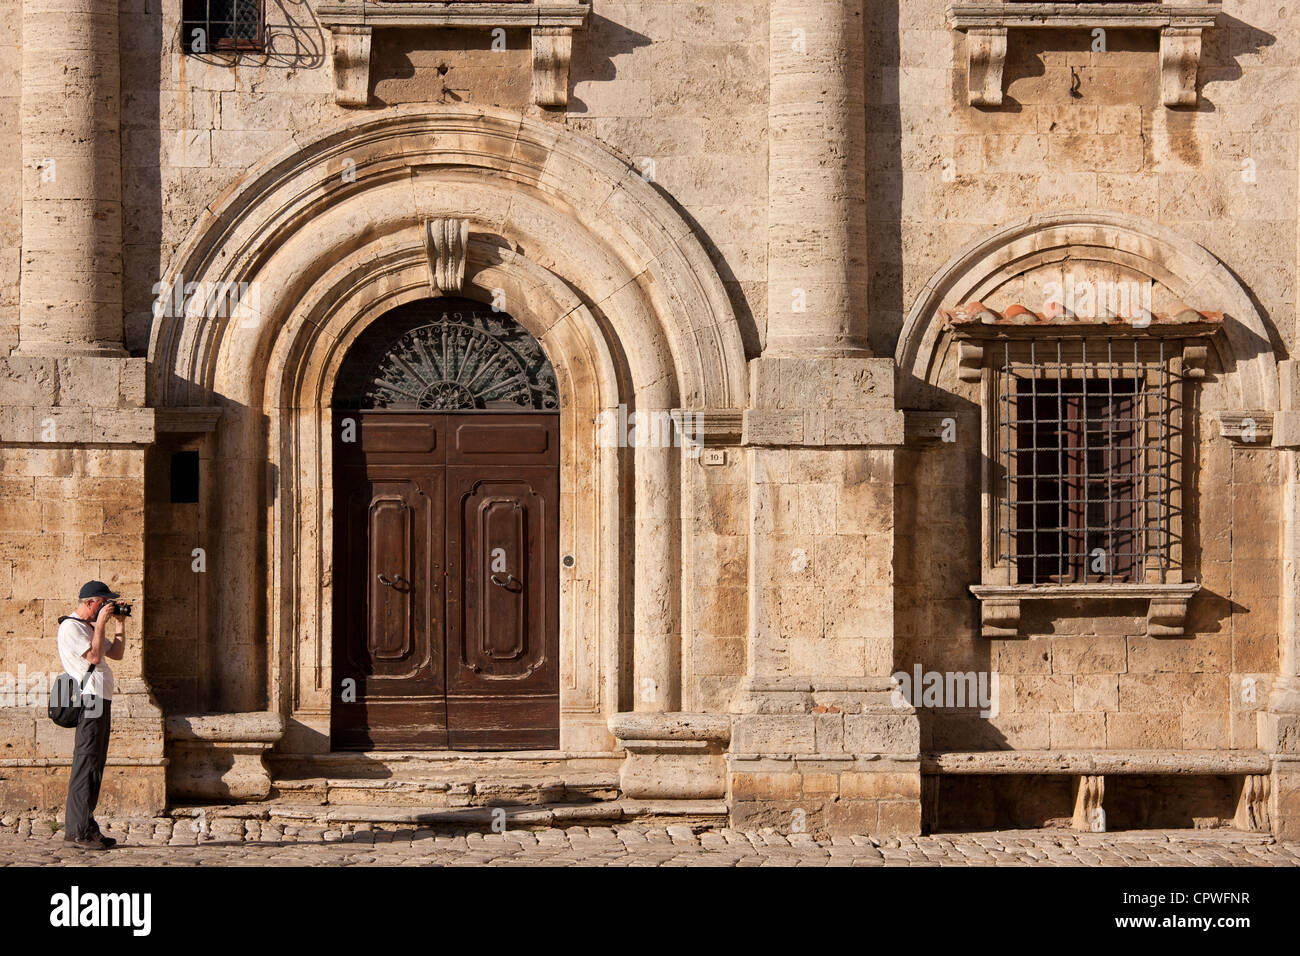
[
  {"x": 594, "y": 262},
  {"x": 446, "y": 528}
]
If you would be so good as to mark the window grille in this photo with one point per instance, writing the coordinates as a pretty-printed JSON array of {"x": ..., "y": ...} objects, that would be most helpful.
[
  {"x": 1088, "y": 436},
  {"x": 447, "y": 354},
  {"x": 209, "y": 25}
]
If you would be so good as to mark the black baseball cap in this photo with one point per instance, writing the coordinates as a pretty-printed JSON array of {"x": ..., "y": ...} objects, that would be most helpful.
[{"x": 94, "y": 589}]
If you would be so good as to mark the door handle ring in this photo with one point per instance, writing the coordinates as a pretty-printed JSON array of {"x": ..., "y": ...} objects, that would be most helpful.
[
  {"x": 510, "y": 579},
  {"x": 397, "y": 579}
]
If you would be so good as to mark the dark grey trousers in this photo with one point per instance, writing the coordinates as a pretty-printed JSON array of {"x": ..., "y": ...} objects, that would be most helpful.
[{"x": 88, "y": 757}]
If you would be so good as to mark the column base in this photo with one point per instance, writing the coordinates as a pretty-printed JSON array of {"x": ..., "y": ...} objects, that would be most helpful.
[
  {"x": 672, "y": 756},
  {"x": 827, "y": 757},
  {"x": 220, "y": 756}
]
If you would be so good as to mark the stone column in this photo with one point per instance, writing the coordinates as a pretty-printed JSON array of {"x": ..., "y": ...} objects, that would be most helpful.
[
  {"x": 817, "y": 185},
  {"x": 1279, "y": 725},
  {"x": 71, "y": 290},
  {"x": 656, "y": 664}
]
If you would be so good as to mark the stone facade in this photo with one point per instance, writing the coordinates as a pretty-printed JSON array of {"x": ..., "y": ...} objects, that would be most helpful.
[{"x": 768, "y": 216}]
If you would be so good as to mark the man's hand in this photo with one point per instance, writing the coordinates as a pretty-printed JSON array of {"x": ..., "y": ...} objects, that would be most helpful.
[{"x": 100, "y": 642}]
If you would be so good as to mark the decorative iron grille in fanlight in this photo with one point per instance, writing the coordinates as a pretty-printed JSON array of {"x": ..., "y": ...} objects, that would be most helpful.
[{"x": 447, "y": 355}]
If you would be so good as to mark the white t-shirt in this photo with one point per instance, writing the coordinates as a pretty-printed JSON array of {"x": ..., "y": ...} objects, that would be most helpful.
[{"x": 74, "y": 640}]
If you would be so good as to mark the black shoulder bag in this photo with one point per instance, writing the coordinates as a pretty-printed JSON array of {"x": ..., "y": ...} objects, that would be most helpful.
[{"x": 65, "y": 699}]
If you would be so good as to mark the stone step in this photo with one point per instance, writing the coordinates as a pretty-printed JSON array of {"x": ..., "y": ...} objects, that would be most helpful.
[
  {"x": 537, "y": 816},
  {"x": 448, "y": 790},
  {"x": 465, "y": 764},
  {"x": 445, "y": 779}
]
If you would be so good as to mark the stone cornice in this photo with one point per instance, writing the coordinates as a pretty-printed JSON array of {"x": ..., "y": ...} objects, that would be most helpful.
[{"x": 1114, "y": 16}]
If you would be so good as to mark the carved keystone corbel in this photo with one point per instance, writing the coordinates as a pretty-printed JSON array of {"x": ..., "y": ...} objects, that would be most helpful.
[
  {"x": 552, "y": 51},
  {"x": 351, "y": 49},
  {"x": 986, "y": 56},
  {"x": 445, "y": 242}
]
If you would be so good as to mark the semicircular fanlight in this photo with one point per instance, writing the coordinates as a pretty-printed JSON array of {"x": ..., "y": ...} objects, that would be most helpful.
[{"x": 447, "y": 355}]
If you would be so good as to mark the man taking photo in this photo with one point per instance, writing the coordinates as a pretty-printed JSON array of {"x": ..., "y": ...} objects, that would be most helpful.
[{"x": 84, "y": 641}]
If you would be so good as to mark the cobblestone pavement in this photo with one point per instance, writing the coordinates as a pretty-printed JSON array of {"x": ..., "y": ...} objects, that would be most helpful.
[{"x": 252, "y": 843}]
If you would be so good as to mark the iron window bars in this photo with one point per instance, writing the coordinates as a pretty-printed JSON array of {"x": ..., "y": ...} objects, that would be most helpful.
[
  {"x": 226, "y": 25},
  {"x": 1088, "y": 440}
]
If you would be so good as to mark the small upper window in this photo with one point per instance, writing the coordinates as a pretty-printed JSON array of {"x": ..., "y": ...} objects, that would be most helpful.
[{"x": 217, "y": 25}]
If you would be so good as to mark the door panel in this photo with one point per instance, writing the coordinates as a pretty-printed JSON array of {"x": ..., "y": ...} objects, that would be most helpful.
[
  {"x": 390, "y": 625},
  {"x": 388, "y": 637},
  {"x": 503, "y": 614}
]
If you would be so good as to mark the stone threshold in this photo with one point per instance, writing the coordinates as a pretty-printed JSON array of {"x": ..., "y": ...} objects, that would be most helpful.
[{"x": 517, "y": 816}]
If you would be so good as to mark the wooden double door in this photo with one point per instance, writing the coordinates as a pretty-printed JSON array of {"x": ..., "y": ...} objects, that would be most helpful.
[{"x": 446, "y": 591}]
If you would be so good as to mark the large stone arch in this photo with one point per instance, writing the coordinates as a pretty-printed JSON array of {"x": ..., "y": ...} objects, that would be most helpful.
[
  {"x": 1191, "y": 274},
  {"x": 588, "y": 256}
]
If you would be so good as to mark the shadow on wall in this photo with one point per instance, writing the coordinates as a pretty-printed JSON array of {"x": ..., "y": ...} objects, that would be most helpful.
[
  {"x": 594, "y": 53},
  {"x": 884, "y": 176},
  {"x": 594, "y": 50}
]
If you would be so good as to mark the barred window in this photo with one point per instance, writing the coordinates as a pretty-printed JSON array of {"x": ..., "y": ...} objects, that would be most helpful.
[
  {"x": 1084, "y": 434},
  {"x": 209, "y": 25},
  {"x": 1089, "y": 434}
]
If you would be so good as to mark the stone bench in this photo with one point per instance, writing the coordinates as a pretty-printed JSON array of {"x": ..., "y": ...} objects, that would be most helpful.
[{"x": 1092, "y": 766}]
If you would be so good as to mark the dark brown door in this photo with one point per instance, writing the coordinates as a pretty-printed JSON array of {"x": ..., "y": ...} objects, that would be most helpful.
[{"x": 441, "y": 649}]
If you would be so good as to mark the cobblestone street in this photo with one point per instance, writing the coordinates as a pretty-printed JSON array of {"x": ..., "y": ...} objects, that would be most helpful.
[{"x": 250, "y": 843}]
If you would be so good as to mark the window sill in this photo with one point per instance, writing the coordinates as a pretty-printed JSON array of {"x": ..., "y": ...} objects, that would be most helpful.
[
  {"x": 1000, "y": 603},
  {"x": 986, "y": 25},
  {"x": 352, "y": 22}
]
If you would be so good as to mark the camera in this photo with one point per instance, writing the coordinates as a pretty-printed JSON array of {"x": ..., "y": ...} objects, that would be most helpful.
[{"x": 121, "y": 609}]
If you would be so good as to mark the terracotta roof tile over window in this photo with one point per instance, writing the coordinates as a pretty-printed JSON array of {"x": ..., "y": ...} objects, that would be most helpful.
[{"x": 1054, "y": 315}]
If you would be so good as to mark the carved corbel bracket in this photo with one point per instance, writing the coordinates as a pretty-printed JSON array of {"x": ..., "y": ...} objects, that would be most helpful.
[
  {"x": 1252, "y": 804},
  {"x": 445, "y": 242},
  {"x": 351, "y": 50},
  {"x": 1000, "y": 617},
  {"x": 1180, "y": 60},
  {"x": 986, "y": 56},
  {"x": 970, "y": 360},
  {"x": 1195, "y": 358},
  {"x": 1088, "y": 812},
  {"x": 1167, "y": 614},
  {"x": 552, "y": 51}
]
